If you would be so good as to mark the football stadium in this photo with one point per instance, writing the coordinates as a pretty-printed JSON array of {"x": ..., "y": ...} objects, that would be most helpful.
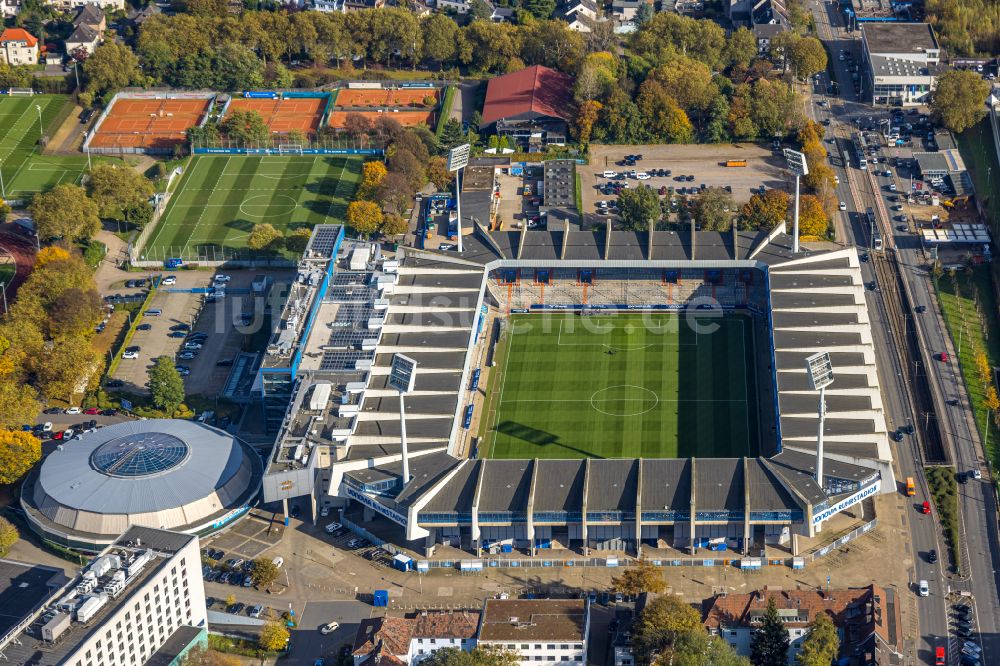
[{"x": 562, "y": 391}]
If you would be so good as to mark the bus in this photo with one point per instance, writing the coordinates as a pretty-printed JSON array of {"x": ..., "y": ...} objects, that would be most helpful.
[
  {"x": 861, "y": 150},
  {"x": 911, "y": 489},
  {"x": 736, "y": 163}
]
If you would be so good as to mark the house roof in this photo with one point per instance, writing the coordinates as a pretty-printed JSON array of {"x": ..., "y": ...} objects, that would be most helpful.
[
  {"x": 84, "y": 34},
  {"x": 535, "y": 619},
  {"x": 536, "y": 90},
  {"x": 392, "y": 635},
  {"x": 89, "y": 14},
  {"x": 797, "y": 607},
  {"x": 18, "y": 35}
]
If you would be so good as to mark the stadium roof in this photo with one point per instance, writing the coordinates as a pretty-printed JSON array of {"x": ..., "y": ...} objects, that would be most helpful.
[{"x": 533, "y": 91}]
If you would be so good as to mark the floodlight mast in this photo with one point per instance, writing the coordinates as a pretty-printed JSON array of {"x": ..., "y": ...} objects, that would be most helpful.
[
  {"x": 796, "y": 162},
  {"x": 458, "y": 158},
  {"x": 820, "y": 371},
  {"x": 402, "y": 375}
]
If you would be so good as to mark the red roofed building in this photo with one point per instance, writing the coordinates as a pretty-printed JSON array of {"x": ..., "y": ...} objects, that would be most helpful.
[
  {"x": 18, "y": 47},
  {"x": 402, "y": 641},
  {"x": 532, "y": 107}
]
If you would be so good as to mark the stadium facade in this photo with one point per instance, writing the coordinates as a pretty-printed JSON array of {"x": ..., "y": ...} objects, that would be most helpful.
[
  {"x": 326, "y": 391},
  {"x": 161, "y": 473}
]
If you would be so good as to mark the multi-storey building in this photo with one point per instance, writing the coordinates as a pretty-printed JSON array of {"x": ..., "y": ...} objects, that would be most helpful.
[{"x": 18, "y": 47}]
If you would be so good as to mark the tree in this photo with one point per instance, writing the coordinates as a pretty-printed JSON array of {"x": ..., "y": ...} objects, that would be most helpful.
[
  {"x": 8, "y": 536},
  {"x": 959, "y": 101},
  {"x": 480, "y": 656},
  {"x": 372, "y": 175},
  {"x": 808, "y": 56},
  {"x": 585, "y": 118},
  {"x": 77, "y": 311},
  {"x": 696, "y": 648},
  {"x": 18, "y": 402},
  {"x": 822, "y": 645},
  {"x": 394, "y": 194},
  {"x": 297, "y": 240},
  {"x": 394, "y": 225},
  {"x": 764, "y": 211},
  {"x": 983, "y": 368},
  {"x": 741, "y": 48},
  {"x": 645, "y": 577},
  {"x": 118, "y": 189},
  {"x": 66, "y": 212},
  {"x": 405, "y": 163},
  {"x": 639, "y": 209},
  {"x": 480, "y": 10},
  {"x": 451, "y": 135},
  {"x": 112, "y": 66},
  {"x": 357, "y": 125},
  {"x": 714, "y": 209},
  {"x": 19, "y": 451},
  {"x": 247, "y": 127},
  {"x": 264, "y": 237},
  {"x": 812, "y": 218},
  {"x": 264, "y": 572},
  {"x": 365, "y": 217},
  {"x": 231, "y": 599},
  {"x": 661, "y": 622},
  {"x": 769, "y": 643},
  {"x": 438, "y": 174},
  {"x": 540, "y": 9},
  {"x": 273, "y": 637},
  {"x": 165, "y": 385},
  {"x": 441, "y": 39}
]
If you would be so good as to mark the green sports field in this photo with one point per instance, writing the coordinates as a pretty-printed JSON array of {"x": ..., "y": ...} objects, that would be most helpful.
[
  {"x": 220, "y": 198},
  {"x": 623, "y": 386},
  {"x": 23, "y": 169}
]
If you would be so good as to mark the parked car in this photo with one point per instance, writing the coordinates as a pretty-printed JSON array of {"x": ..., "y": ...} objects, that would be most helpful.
[
  {"x": 329, "y": 628},
  {"x": 169, "y": 280},
  {"x": 130, "y": 354},
  {"x": 177, "y": 334},
  {"x": 180, "y": 327},
  {"x": 144, "y": 327},
  {"x": 76, "y": 410},
  {"x": 925, "y": 508},
  {"x": 256, "y": 611},
  {"x": 923, "y": 589}
]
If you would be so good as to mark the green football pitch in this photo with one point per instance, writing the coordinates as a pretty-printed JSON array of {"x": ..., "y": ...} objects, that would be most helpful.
[
  {"x": 623, "y": 386},
  {"x": 221, "y": 197},
  {"x": 23, "y": 170}
]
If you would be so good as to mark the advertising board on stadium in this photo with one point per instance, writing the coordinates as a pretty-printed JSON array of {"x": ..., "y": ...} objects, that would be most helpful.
[
  {"x": 375, "y": 506},
  {"x": 275, "y": 151},
  {"x": 849, "y": 502}
]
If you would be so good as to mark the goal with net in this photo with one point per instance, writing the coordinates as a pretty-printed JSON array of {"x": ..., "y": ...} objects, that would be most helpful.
[
  {"x": 22, "y": 92},
  {"x": 290, "y": 149}
]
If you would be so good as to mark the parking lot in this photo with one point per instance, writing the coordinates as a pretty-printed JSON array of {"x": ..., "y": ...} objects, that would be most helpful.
[
  {"x": 697, "y": 164},
  {"x": 187, "y": 316}
]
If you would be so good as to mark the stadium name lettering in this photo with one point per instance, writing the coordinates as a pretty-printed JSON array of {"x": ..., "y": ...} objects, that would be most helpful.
[
  {"x": 372, "y": 504},
  {"x": 843, "y": 504}
]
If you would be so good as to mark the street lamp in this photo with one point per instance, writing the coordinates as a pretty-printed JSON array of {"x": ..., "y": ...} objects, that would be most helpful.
[
  {"x": 41, "y": 128},
  {"x": 820, "y": 371},
  {"x": 3, "y": 190},
  {"x": 796, "y": 162}
]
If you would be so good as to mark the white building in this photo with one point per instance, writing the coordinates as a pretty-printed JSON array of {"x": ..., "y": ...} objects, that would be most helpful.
[
  {"x": 902, "y": 61},
  {"x": 141, "y": 591},
  {"x": 72, "y": 5},
  {"x": 18, "y": 47},
  {"x": 9, "y": 8},
  {"x": 411, "y": 639},
  {"x": 538, "y": 630}
]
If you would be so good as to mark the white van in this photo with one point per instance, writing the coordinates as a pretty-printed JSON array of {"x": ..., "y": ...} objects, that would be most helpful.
[
  {"x": 332, "y": 527},
  {"x": 610, "y": 174},
  {"x": 278, "y": 561}
]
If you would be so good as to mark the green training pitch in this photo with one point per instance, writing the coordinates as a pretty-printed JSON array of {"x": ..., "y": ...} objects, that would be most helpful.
[
  {"x": 624, "y": 386},
  {"x": 24, "y": 170},
  {"x": 220, "y": 198}
]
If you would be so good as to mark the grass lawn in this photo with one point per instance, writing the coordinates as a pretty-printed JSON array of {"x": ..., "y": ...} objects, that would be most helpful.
[
  {"x": 220, "y": 198},
  {"x": 958, "y": 304},
  {"x": 976, "y": 146},
  {"x": 24, "y": 170},
  {"x": 630, "y": 385}
]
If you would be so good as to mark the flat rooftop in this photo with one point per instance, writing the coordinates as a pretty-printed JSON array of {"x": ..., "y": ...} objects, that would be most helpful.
[
  {"x": 897, "y": 38},
  {"x": 533, "y": 620},
  {"x": 23, "y": 589}
]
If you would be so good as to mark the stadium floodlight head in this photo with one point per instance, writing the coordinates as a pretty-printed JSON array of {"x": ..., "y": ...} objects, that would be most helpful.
[
  {"x": 402, "y": 375},
  {"x": 820, "y": 371},
  {"x": 458, "y": 159},
  {"x": 796, "y": 162}
]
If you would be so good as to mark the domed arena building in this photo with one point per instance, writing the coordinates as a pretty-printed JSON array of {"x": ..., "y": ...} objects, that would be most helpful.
[{"x": 170, "y": 474}]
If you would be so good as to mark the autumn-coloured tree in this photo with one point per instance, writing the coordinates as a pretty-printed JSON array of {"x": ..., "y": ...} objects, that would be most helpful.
[
  {"x": 372, "y": 175},
  {"x": 585, "y": 118},
  {"x": 8, "y": 536},
  {"x": 812, "y": 218},
  {"x": 264, "y": 237},
  {"x": 644, "y": 577},
  {"x": 764, "y": 211},
  {"x": 19, "y": 451},
  {"x": 273, "y": 637},
  {"x": 365, "y": 217}
]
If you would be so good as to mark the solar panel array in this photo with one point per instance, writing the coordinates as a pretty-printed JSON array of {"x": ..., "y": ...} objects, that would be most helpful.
[
  {"x": 324, "y": 239},
  {"x": 350, "y": 326}
]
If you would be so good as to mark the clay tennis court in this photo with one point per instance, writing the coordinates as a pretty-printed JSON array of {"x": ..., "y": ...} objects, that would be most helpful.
[
  {"x": 404, "y": 118},
  {"x": 284, "y": 115},
  {"x": 149, "y": 123},
  {"x": 360, "y": 97}
]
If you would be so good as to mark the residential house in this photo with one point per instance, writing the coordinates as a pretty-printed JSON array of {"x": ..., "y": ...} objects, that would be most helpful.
[
  {"x": 538, "y": 630},
  {"x": 866, "y": 618},
  {"x": 411, "y": 639},
  {"x": 624, "y": 11},
  {"x": 768, "y": 19},
  {"x": 9, "y": 8},
  {"x": 579, "y": 14},
  {"x": 531, "y": 106},
  {"x": 18, "y": 47},
  {"x": 84, "y": 38},
  {"x": 93, "y": 16},
  {"x": 71, "y": 5}
]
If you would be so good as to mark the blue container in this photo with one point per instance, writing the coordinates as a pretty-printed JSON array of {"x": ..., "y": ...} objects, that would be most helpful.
[
  {"x": 380, "y": 598},
  {"x": 507, "y": 548}
]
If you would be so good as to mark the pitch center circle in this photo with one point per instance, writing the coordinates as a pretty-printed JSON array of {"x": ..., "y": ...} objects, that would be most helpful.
[
  {"x": 259, "y": 205},
  {"x": 624, "y": 400}
]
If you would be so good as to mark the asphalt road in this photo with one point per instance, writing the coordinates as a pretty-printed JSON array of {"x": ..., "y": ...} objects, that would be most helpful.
[{"x": 977, "y": 501}]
